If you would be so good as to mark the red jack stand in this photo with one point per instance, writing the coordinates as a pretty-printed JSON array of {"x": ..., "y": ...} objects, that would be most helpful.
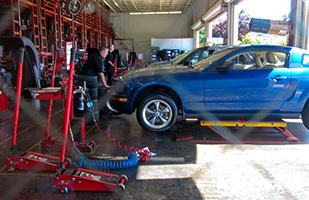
[
  {"x": 5, "y": 114},
  {"x": 81, "y": 179},
  {"x": 30, "y": 160},
  {"x": 51, "y": 143}
]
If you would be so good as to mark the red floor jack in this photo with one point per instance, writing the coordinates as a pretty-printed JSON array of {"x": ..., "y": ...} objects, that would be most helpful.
[
  {"x": 81, "y": 179},
  {"x": 51, "y": 143},
  {"x": 29, "y": 160}
]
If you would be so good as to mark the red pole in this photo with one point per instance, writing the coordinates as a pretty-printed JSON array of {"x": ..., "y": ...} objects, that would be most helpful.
[
  {"x": 135, "y": 63},
  {"x": 50, "y": 105},
  {"x": 68, "y": 103},
  {"x": 18, "y": 94},
  {"x": 115, "y": 67}
]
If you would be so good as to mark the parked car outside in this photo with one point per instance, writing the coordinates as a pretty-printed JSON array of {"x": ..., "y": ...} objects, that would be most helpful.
[{"x": 255, "y": 82}]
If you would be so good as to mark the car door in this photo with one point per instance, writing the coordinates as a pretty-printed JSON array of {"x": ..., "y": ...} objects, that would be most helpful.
[{"x": 253, "y": 81}]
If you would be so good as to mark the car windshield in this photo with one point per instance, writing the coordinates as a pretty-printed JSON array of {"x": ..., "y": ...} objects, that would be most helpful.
[
  {"x": 203, "y": 64},
  {"x": 180, "y": 57}
]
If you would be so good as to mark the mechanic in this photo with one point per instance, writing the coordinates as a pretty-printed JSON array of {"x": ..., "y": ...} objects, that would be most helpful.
[
  {"x": 110, "y": 64},
  {"x": 95, "y": 66}
]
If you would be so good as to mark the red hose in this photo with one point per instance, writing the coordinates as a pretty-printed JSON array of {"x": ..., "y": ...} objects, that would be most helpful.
[{"x": 144, "y": 155}]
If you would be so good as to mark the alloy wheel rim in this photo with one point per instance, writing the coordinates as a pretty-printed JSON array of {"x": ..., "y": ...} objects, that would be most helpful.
[{"x": 157, "y": 114}]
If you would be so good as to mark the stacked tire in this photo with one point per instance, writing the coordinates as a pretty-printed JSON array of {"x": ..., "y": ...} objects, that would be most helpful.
[{"x": 92, "y": 95}]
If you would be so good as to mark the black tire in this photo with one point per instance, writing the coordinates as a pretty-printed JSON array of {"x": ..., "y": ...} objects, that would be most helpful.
[
  {"x": 305, "y": 115},
  {"x": 73, "y": 6},
  {"x": 91, "y": 81},
  {"x": 170, "y": 113}
]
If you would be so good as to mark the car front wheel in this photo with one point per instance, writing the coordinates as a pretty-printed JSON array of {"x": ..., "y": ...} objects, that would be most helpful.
[
  {"x": 305, "y": 115},
  {"x": 157, "y": 113}
]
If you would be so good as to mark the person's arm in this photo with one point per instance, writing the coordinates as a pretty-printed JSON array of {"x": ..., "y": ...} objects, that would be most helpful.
[
  {"x": 102, "y": 79},
  {"x": 111, "y": 63}
]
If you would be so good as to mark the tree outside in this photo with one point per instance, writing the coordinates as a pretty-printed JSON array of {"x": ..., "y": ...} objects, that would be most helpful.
[
  {"x": 244, "y": 34},
  {"x": 220, "y": 29}
]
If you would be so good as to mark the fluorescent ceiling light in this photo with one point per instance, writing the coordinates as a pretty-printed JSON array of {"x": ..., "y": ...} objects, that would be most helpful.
[
  {"x": 149, "y": 13},
  {"x": 156, "y": 13},
  {"x": 161, "y": 13},
  {"x": 175, "y": 12},
  {"x": 136, "y": 13}
]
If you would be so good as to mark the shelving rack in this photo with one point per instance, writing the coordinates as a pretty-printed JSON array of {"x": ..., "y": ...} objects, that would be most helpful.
[{"x": 50, "y": 26}]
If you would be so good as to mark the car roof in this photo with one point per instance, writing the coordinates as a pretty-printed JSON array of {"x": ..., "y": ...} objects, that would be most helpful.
[{"x": 262, "y": 47}]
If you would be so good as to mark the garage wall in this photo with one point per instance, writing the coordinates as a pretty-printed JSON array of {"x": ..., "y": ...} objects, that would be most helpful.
[
  {"x": 144, "y": 27},
  {"x": 201, "y": 7}
]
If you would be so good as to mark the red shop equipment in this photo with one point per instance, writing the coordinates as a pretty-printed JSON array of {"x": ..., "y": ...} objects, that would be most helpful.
[
  {"x": 28, "y": 160},
  {"x": 81, "y": 179}
]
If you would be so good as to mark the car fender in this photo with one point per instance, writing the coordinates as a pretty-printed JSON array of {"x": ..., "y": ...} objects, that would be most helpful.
[{"x": 140, "y": 87}]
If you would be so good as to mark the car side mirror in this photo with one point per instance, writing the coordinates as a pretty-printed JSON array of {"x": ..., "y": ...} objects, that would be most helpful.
[{"x": 225, "y": 66}]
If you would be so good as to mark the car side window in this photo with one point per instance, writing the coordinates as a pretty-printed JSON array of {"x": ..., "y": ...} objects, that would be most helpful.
[
  {"x": 305, "y": 61},
  {"x": 257, "y": 60}
]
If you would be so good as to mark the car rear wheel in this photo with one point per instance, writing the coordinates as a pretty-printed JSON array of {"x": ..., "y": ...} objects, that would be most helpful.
[{"x": 157, "y": 113}]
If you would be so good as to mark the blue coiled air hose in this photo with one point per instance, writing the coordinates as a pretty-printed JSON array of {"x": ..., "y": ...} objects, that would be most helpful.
[{"x": 105, "y": 165}]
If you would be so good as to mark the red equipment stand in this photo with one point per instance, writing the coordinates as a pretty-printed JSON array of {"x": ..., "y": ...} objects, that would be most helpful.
[
  {"x": 81, "y": 179},
  {"x": 50, "y": 142},
  {"x": 53, "y": 93},
  {"x": 5, "y": 114},
  {"x": 280, "y": 126},
  {"x": 29, "y": 160}
]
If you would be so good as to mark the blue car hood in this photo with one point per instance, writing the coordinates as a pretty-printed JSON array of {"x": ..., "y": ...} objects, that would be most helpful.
[{"x": 162, "y": 70}]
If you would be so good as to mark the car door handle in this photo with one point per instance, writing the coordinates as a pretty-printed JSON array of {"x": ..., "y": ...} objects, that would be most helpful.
[{"x": 278, "y": 78}]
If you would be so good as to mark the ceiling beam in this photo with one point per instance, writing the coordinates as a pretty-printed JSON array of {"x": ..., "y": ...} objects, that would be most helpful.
[
  {"x": 188, "y": 3},
  {"x": 132, "y": 1},
  {"x": 109, "y": 6},
  {"x": 117, "y": 5},
  {"x": 125, "y": 3}
]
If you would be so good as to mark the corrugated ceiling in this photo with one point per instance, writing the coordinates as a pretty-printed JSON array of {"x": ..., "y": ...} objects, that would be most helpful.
[{"x": 148, "y": 5}]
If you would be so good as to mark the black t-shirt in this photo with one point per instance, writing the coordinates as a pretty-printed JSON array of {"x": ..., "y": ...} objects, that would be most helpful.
[
  {"x": 94, "y": 65},
  {"x": 109, "y": 57}
]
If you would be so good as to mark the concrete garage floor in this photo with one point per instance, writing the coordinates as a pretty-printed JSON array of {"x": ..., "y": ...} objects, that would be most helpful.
[{"x": 181, "y": 170}]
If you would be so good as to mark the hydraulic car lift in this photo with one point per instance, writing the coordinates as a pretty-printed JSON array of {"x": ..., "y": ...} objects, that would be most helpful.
[{"x": 212, "y": 125}]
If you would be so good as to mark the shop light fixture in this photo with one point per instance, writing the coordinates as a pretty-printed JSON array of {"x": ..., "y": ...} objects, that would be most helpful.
[{"x": 156, "y": 13}]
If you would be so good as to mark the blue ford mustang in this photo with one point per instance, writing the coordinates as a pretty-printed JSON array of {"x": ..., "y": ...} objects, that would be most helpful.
[{"x": 256, "y": 82}]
